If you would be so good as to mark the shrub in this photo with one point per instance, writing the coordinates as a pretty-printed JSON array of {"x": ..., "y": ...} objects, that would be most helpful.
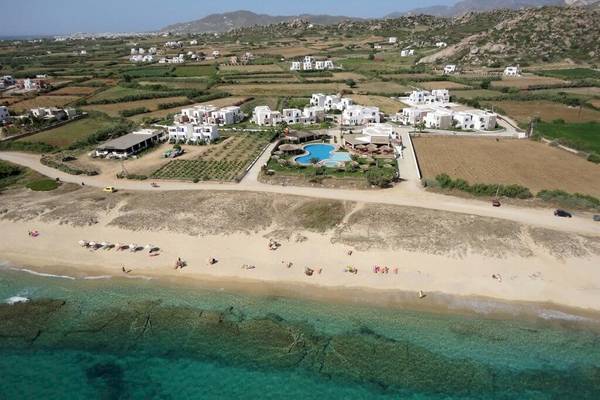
[
  {"x": 7, "y": 170},
  {"x": 133, "y": 111},
  {"x": 42, "y": 185},
  {"x": 595, "y": 158},
  {"x": 565, "y": 199},
  {"x": 480, "y": 189},
  {"x": 32, "y": 147},
  {"x": 380, "y": 177}
]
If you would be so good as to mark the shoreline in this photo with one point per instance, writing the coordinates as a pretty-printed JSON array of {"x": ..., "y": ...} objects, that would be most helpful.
[
  {"x": 452, "y": 284},
  {"x": 364, "y": 297}
]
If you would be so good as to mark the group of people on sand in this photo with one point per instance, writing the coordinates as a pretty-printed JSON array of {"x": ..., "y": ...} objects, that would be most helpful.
[{"x": 384, "y": 270}]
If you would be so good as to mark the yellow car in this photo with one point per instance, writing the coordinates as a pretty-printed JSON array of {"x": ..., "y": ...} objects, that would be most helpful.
[{"x": 109, "y": 189}]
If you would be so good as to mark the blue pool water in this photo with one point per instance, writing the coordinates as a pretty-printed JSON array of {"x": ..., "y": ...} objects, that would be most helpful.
[{"x": 323, "y": 152}]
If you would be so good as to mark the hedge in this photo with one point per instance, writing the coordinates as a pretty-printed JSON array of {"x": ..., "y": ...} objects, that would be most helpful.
[{"x": 483, "y": 189}]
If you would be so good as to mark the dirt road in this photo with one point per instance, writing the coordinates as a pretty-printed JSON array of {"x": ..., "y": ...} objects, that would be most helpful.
[{"x": 405, "y": 194}]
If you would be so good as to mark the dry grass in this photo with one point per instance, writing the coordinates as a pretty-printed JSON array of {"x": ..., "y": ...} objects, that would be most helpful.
[
  {"x": 151, "y": 104},
  {"x": 45, "y": 101},
  {"x": 74, "y": 91},
  {"x": 385, "y": 104},
  {"x": 339, "y": 76},
  {"x": 303, "y": 89},
  {"x": 250, "y": 68},
  {"x": 287, "y": 52},
  {"x": 528, "y": 163},
  {"x": 224, "y": 102},
  {"x": 526, "y": 81},
  {"x": 523, "y": 111},
  {"x": 441, "y": 85},
  {"x": 391, "y": 88},
  {"x": 595, "y": 102}
]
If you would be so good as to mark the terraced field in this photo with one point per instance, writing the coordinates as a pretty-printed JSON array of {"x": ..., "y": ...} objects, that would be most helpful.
[{"x": 224, "y": 162}]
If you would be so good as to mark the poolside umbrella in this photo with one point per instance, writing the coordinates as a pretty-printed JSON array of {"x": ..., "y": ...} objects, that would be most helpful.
[{"x": 372, "y": 148}]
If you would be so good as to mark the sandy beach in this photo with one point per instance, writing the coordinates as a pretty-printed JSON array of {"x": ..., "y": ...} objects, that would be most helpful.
[{"x": 454, "y": 255}]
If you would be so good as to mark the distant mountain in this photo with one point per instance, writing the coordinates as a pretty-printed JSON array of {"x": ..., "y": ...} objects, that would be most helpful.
[
  {"x": 465, "y": 6},
  {"x": 242, "y": 19}
]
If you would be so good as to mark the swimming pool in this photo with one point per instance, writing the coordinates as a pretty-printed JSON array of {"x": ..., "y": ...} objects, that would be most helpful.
[{"x": 324, "y": 153}]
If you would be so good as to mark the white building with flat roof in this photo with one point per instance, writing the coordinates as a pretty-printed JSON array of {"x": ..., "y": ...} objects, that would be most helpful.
[
  {"x": 190, "y": 133},
  {"x": 392, "y": 40},
  {"x": 463, "y": 120},
  {"x": 264, "y": 116},
  {"x": 411, "y": 115},
  {"x": 512, "y": 71},
  {"x": 227, "y": 115},
  {"x": 484, "y": 120},
  {"x": 360, "y": 115},
  {"x": 407, "y": 53},
  {"x": 438, "y": 119},
  {"x": 450, "y": 69}
]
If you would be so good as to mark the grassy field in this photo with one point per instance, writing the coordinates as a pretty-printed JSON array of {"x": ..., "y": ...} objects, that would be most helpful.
[
  {"x": 44, "y": 101},
  {"x": 441, "y": 85},
  {"x": 74, "y": 91},
  {"x": 509, "y": 161},
  {"x": 337, "y": 76},
  {"x": 269, "y": 90},
  {"x": 584, "y": 137},
  {"x": 224, "y": 161},
  {"x": 67, "y": 134},
  {"x": 185, "y": 71},
  {"x": 523, "y": 111},
  {"x": 471, "y": 94},
  {"x": 250, "y": 68},
  {"x": 117, "y": 92},
  {"x": 174, "y": 83},
  {"x": 572, "y": 73},
  {"x": 385, "y": 104},
  {"x": 151, "y": 104},
  {"x": 287, "y": 52},
  {"x": 524, "y": 82},
  {"x": 374, "y": 87}
]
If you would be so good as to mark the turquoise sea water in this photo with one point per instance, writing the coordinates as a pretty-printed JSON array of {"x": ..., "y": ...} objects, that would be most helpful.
[
  {"x": 138, "y": 339},
  {"x": 322, "y": 152}
]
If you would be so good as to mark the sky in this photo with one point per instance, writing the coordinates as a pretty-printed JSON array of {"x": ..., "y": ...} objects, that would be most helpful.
[{"x": 44, "y": 17}]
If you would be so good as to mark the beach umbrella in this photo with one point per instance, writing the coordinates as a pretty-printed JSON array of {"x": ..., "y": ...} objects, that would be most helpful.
[
  {"x": 92, "y": 244},
  {"x": 83, "y": 243},
  {"x": 133, "y": 247},
  {"x": 103, "y": 244}
]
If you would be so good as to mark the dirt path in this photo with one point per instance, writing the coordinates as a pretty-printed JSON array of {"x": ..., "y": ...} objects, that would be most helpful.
[{"x": 404, "y": 195}]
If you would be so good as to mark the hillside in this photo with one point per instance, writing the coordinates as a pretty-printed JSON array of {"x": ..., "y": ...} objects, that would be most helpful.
[
  {"x": 529, "y": 35},
  {"x": 466, "y": 6},
  {"x": 226, "y": 22}
]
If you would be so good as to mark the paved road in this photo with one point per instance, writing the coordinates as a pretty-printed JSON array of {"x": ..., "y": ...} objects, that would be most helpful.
[{"x": 405, "y": 194}]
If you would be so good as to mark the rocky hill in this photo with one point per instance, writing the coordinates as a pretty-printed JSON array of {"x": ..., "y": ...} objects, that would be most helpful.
[
  {"x": 529, "y": 35},
  {"x": 242, "y": 19},
  {"x": 466, "y": 6}
]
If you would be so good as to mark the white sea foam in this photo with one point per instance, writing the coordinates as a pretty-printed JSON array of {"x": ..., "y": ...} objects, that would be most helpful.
[
  {"x": 559, "y": 315},
  {"x": 93, "y": 278},
  {"x": 43, "y": 273},
  {"x": 16, "y": 299}
]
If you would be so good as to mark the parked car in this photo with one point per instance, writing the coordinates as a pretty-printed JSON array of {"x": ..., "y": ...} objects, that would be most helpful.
[
  {"x": 109, "y": 189},
  {"x": 597, "y": 217},
  {"x": 496, "y": 203},
  {"x": 562, "y": 213}
]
